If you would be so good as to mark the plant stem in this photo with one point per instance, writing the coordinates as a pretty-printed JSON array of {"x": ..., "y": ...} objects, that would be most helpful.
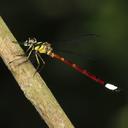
[{"x": 34, "y": 88}]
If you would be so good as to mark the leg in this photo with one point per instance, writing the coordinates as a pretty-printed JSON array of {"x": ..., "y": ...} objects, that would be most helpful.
[
  {"x": 41, "y": 58},
  {"x": 42, "y": 62},
  {"x": 24, "y": 60},
  {"x": 27, "y": 57},
  {"x": 38, "y": 62},
  {"x": 30, "y": 47},
  {"x": 17, "y": 58}
]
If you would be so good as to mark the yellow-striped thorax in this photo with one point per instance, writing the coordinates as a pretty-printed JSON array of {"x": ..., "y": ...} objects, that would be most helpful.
[{"x": 41, "y": 47}]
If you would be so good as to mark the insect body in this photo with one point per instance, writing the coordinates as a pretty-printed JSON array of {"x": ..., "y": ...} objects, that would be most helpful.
[{"x": 45, "y": 48}]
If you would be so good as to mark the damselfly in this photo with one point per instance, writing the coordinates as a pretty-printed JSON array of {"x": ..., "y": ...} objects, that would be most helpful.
[{"x": 45, "y": 48}]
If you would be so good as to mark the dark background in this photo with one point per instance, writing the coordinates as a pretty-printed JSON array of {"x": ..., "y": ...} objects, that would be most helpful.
[{"x": 65, "y": 23}]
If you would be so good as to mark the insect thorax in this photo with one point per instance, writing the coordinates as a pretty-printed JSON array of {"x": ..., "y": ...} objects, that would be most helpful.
[{"x": 43, "y": 48}]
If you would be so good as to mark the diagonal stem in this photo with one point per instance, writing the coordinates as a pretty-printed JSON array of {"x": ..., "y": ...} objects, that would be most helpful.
[{"x": 34, "y": 88}]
